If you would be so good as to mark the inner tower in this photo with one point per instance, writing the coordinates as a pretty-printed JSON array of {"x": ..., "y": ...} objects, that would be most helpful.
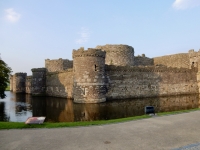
[{"x": 118, "y": 55}]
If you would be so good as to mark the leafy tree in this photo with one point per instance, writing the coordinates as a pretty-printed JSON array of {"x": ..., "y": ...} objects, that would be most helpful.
[{"x": 4, "y": 77}]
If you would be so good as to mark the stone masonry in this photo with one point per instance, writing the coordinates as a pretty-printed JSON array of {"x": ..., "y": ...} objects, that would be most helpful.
[{"x": 112, "y": 72}]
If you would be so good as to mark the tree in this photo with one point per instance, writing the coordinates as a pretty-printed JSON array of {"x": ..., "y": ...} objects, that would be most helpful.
[{"x": 4, "y": 77}]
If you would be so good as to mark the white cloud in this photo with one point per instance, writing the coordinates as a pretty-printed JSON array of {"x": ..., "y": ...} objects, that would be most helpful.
[
  {"x": 84, "y": 36},
  {"x": 11, "y": 15},
  {"x": 185, "y": 4}
]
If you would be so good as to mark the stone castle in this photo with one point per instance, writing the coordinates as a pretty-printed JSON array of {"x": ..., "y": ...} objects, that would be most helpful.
[{"x": 112, "y": 72}]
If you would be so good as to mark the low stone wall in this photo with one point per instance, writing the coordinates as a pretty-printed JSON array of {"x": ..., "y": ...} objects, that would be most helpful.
[
  {"x": 133, "y": 82},
  {"x": 60, "y": 84}
]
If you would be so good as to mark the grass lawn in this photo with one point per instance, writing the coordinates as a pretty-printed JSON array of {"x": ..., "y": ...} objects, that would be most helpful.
[{"x": 21, "y": 125}]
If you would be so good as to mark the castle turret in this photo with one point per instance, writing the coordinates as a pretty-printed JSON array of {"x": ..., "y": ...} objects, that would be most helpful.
[
  {"x": 119, "y": 55},
  {"x": 89, "y": 76},
  {"x": 38, "y": 84},
  {"x": 19, "y": 80}
]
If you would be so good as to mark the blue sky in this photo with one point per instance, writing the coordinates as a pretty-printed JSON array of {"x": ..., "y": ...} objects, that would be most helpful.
[{"x": 34, "y": 30}]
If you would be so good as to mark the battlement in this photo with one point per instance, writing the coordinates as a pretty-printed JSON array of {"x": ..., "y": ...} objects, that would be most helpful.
[
  {"x": 192, "y": 53},
  {"x": 38, "y": 69},
  {"x": 91, "y": 52},
  {"x": 20, "y": 74},
  {"x": 60, "y": 59}
]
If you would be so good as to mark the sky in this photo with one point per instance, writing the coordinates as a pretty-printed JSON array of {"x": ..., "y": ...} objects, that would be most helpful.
[{"x": 34, "y": 30}]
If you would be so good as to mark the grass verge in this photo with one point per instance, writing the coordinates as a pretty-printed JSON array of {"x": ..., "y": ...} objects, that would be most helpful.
[{"x": 22, "y": 125}]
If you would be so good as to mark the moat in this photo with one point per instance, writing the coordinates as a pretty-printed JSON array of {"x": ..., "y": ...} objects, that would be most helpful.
[{"x": 18, "y": 107}]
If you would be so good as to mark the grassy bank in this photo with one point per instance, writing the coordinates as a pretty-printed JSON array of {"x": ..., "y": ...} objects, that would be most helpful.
[
  {"x": 21, "y": 125},
  {"x": 8, "y": 88}
]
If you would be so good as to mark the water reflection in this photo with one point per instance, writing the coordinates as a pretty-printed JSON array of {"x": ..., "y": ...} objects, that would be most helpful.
[
  {"x": 3, "y": 115},
  {"x": 18, "y": 107}
]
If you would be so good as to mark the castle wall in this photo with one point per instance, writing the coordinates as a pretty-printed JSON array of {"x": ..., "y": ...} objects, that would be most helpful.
[
  {"x": 19, "y": 80},
  {"x": 38, "y": 81},
  {"x": 119, "y": 55},
  {"x": 143, "y": 61},
  {"x": 60, "y": 84},
  {"x": 132, "y": 82},
  {"x": 58, "y": 65},
  {"x": 176, "y": 60},
  {"x": 28, "y": 84}
]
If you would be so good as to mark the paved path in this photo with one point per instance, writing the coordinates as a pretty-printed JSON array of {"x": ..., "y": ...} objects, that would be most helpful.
[{"x": 157, "y": 133}]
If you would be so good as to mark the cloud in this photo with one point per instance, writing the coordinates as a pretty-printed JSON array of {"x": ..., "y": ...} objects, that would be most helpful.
[
  {"x": 84, "y": 36},
  {"x": 11, "y": 15},
  {"x": 185, "y": 4}
]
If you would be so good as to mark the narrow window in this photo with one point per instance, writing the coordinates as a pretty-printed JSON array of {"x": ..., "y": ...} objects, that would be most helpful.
[{"x": 95, "y": 67}]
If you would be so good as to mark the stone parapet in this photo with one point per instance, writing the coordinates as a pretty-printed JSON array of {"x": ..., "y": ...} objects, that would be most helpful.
[{"x": 91, "y": 52}]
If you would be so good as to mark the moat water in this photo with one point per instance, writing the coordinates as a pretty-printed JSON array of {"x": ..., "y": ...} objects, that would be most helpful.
[{"x": 18, "y": 107}]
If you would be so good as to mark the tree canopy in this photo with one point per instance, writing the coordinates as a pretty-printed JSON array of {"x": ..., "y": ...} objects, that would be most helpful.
[{"x": 4, "y": 77}]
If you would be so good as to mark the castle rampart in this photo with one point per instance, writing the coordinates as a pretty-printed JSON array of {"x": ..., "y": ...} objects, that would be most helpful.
[
  {"x": 119, "y": 55},
  {"x": 136, "y": 82},
  {"x": 89, "y": 76}
]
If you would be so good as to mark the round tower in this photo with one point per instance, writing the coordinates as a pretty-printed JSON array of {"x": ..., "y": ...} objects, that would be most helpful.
[
  {"x": 19, "y": 82},
  {"x": 89, "y": 76},
  {"x": 38, "y": 84},
  {"x": 118, "y": 55}
]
